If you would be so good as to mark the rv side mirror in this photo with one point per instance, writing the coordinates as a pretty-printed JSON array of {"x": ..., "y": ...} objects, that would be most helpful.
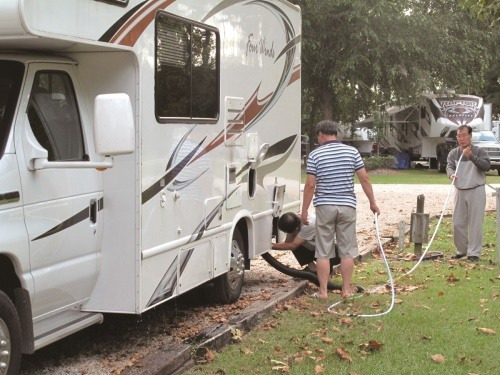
[
  {"x": 113, "y": 125},
  {"x": 450, "y": 141}
]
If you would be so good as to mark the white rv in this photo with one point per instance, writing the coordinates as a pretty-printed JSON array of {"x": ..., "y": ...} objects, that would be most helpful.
[
  {"x": 145, "y": 148},
  {"x": 418, "y": 129}
]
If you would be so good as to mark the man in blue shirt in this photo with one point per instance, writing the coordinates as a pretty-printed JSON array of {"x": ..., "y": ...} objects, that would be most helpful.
[{"x": 330, "y": 179}]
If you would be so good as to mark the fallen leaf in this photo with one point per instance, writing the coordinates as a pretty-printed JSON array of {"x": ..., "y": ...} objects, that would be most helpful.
[
  {"x": 451, "y": 278},
  {"x": 209, "y": 356},
  {"x": 343, "y": 354},
  {"x": 327, "y": 340},
  {"x": 246, "y": 351},
  {"x": 266, "y": 296},
  {"x": 236, "y": 334},
  {"x": 372, "y": 345},
  {"x": 487, "y": 331},
  {"x": 318, "y": 369},
  {"x": 299, "y": 359},
  {"x": 279, "y": 363},
  {"x": 440, "y": 294},
  {"x": 345, "y": 320},
  {"x": 438, "y": 358}
]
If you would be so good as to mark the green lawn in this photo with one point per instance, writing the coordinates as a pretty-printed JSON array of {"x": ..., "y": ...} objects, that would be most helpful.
[
  {"x": 415, "y": 176},
  {"x": 446, "y": 321}
]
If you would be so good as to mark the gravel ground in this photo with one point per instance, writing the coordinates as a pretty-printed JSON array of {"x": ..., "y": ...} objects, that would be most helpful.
[{"x": 123, "y": 340}]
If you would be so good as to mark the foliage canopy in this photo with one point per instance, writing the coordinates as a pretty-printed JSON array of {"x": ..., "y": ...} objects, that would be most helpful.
[{"x": 358, "y": 54}]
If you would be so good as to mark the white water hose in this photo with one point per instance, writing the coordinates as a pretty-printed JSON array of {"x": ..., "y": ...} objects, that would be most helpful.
[{"x": 391, "y": 280}]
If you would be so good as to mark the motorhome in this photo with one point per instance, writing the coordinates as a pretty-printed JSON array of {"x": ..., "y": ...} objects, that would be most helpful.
[
  {"x": 145, "y": 149},
  {"x": 418, "y": 129}
]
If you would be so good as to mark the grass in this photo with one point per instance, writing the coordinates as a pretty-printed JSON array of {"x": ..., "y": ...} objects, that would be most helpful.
[
  {"x": 440, "y": 311},
  {"x": 414, "y": 176}
]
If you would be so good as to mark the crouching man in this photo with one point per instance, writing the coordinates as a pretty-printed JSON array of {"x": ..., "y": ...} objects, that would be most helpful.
[{"x": 300, "y": 239}]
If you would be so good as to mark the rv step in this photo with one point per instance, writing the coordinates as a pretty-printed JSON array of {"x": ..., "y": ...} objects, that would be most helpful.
[{"x": 61, "y": 325}]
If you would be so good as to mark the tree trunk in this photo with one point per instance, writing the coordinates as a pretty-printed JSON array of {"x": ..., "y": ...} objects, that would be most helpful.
[
  {"x": 312, "y": 125},
  {"x": 327, "y": 104}
]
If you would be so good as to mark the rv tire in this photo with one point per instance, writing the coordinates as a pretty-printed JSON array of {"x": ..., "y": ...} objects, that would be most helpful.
[
  {"x": 227, "y": 287},
  {"x": 433, "y": 163},
  {"x": 10, "y": 337}
]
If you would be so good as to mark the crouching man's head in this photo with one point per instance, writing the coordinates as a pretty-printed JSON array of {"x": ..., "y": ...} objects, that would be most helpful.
[{"x": 289, "y": 222}]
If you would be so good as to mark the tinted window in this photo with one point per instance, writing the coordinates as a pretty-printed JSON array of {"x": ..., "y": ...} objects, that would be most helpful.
[
  {"x": 54, "y": 117},
  {"x": 186, "y": 80},
  {"x": 11, "y": 75}
]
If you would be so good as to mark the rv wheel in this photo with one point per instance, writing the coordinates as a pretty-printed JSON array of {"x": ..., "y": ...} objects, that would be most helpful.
[
  {"x": 10, "y": 337},
  {"x": 227, "y": 288}
]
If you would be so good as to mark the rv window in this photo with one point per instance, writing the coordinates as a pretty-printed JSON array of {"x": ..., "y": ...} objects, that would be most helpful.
[
  {"x": 54, "y": 118},
  {"x": 187, "y": 70},
  {"x": 11, "y": 75}
]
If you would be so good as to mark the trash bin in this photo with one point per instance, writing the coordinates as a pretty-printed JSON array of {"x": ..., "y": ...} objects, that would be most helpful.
[{"x": 402, "y": 160}]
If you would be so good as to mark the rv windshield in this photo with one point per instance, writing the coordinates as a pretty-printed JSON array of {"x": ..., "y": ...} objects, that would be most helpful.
[
  {"x": 484, "y": 136},
  {"x": 11, "y": 74}
]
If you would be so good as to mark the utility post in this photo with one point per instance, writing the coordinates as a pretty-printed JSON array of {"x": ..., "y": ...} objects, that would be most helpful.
[
  {"x": 419, "y": 224},
  {"x": 401, "y": 239}
]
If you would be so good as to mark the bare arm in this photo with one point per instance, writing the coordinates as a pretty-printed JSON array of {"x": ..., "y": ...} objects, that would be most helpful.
[
  {"x": 367, "y": 188},
  {"x": 308, "y": 196},
  {"x": 297, "y": 241}
]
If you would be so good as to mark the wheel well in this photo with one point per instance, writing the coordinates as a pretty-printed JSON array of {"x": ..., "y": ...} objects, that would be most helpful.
[
  {"x": 242, "y": 226},
  {"x": 8, "y": 277}
]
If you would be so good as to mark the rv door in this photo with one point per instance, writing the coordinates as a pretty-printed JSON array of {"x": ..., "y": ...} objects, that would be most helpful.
[{"x": 62, "y": 205}]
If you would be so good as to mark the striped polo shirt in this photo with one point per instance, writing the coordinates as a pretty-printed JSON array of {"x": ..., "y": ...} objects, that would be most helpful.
[{"x": 334, "y": 165}]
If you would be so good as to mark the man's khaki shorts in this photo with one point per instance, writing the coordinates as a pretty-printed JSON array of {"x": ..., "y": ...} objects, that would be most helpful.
[{"x": 336, "y": 222}]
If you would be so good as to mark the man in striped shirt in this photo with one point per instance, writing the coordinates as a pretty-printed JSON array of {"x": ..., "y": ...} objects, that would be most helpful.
[{"x": 330, "y": 179}]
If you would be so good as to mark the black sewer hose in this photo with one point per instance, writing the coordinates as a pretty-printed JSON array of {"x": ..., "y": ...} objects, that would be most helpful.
[
  {"x": 301, "y": 274},
  {"x": 293, "y": 272}
]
